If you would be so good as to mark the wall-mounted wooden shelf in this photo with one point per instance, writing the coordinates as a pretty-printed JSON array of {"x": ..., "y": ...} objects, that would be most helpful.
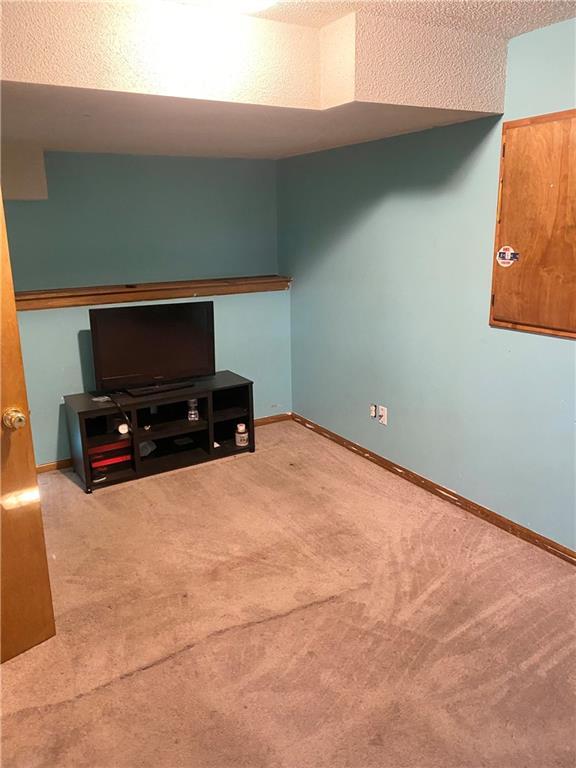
[{"x": 117, "y": 294}]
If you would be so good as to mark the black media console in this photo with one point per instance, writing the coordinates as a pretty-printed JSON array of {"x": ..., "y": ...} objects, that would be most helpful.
[{"x": 161, "y": 437}]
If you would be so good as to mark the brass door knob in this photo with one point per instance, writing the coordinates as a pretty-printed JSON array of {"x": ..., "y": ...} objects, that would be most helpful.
[{"x": 14, "y": 418}]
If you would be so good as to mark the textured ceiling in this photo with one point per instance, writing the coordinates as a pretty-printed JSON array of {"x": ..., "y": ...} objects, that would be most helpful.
[{"x": 503, "y": 18}]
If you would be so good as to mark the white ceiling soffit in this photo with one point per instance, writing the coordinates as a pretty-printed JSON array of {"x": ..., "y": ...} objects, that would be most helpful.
[
  {"x": 502, "y": 18},
  {"x": 85, "y": 120}
]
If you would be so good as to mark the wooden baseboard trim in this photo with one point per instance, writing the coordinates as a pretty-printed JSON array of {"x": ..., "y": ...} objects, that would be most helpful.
[
  {"x": 53, "y": 465},
  {"x": 438, "y": 490},
  {"x": 444, "y": 493},
  {"x": 272, "y": 419}
]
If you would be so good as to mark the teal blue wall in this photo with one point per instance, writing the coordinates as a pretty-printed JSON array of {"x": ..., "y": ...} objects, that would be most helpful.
[
  {"x": 133, "y": 218},
  {"x": 117, "y": 219},
  {"x": 541, "y": 71},
  {"x": 390, "y": 246},
  {"x": 252, "y": 338}
]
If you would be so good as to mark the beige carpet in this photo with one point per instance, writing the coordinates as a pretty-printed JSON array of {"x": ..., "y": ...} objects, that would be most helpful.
[{"x": 295, "y": 608}]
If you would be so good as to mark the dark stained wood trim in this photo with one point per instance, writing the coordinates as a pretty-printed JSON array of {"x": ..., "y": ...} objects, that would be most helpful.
[
  {"x": 116, "y": 294},
  {"x": 494, "y": 322},
  {"x": 444, "y": 493},
  {"x": 52, "y": 466}
]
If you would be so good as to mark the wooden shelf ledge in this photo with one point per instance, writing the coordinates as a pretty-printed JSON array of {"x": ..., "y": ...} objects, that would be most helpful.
[{"x": 118, "y": 294}]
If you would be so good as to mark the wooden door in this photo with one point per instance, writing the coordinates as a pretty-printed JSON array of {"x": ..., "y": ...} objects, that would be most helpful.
[
  {"x": 27, "y": 616},
  {"x": 534, "y": 278}
]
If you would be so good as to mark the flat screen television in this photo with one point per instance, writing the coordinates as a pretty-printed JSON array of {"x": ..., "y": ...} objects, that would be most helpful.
[{"x": 152, "y": 345}]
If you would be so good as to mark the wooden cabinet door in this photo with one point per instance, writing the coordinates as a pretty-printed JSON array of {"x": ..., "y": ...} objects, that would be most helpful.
[
  {"x": 26, "y": 605},
  {"x": 534, "y": 272}
]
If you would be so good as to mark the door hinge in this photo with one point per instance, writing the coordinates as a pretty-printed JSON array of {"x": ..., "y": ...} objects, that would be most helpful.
[{"x": 492, "y": 301}]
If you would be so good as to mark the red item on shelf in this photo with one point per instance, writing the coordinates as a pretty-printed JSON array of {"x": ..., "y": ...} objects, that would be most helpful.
[
  {"x": 107, "y": 447},
  {"x": 113, "y": 460}
]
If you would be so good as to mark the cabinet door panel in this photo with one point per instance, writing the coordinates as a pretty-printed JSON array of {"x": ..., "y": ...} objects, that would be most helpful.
[{"x": 536, "y": 288}]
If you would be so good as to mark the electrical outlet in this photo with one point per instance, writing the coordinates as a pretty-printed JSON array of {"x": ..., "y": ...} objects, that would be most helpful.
[
  {"x": 383, "y": 415},
  {"x": 373, "y": 408}
]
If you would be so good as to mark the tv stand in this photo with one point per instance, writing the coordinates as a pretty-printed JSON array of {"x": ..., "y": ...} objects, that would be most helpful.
[{"x": 161, "y": 437}]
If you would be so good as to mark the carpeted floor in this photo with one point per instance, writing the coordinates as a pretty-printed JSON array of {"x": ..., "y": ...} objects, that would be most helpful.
[{"x": 294, "y": 608}]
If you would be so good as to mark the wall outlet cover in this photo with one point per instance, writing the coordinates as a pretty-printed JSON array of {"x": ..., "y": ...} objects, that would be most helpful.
[
  {"x": 383, "y": 414},
  {"x": 373, "y": 408}
]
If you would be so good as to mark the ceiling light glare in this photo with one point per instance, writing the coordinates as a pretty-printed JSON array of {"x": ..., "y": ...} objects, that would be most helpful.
[{"x": 231, "y": 6}]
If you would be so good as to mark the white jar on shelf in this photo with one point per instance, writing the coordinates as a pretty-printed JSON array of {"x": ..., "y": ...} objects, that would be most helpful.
[{"x": 241, "y": 436}]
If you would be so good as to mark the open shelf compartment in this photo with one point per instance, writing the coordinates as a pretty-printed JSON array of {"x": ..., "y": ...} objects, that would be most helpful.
[
  {"x": 163, "y": 415},
  {"x": 109, "y": 454},
  {"x": 224, "y": 436},
  {"x": 231, "y": 404},
  {"x": 174, "y": 451},
  {"x": 101, "y": 430}
]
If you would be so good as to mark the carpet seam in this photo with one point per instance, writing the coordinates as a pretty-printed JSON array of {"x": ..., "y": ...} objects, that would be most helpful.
[{"x": 188, "y": 647}]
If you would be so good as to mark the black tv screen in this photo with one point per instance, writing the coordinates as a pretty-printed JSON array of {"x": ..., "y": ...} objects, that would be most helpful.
[{"x": 154, "y": 344}]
